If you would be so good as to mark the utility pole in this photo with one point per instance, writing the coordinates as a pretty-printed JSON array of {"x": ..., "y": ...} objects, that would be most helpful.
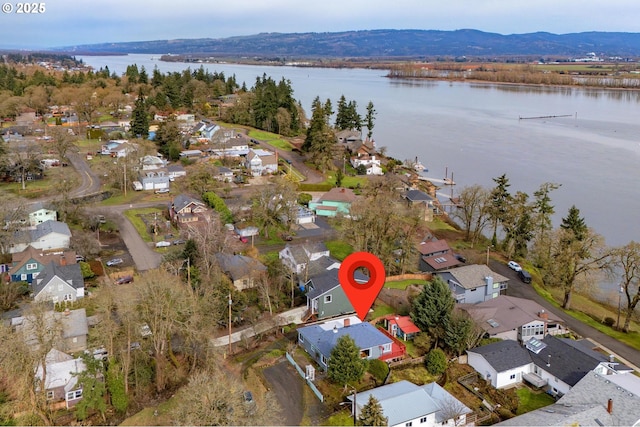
[
  {"x": 124, "y": 168},
  {"x": 619, "y": 296},
  {"x": 229, "y": 323}
]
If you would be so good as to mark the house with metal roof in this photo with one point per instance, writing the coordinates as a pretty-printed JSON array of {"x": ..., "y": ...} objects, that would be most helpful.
[
  {"x": 59, "y": 284},
  {"x": 400, "y": 326},
  {"x": 261, "y": 162},
  {"x": 595, "y": 400},
  {"x": 406, "y": 404},
  {"x": 319, "y": 340},
  {"x": 511, "y": 318},
  {"x": 61, "y": 378},
  {"x": 296, "y": 257},
  {"x": 421, "y": 200},
  {"x": 473, "y": 283},
  {"x": 72, "y": 325}
]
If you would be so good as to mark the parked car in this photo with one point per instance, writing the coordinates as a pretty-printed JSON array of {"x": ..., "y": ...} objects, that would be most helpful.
[
  {"x": 163, "y": 244},
  {"x": 162, "y": 191},
  {"x": 514, "y": 266},
  {"x": 114, "y": 261},
  {"x": 79, "y": 258},
  {"x": 124, "y": 279},
  {"x": 524, "y": 276},
  {"x": 460, "y": 258},
  {"x": 179, "y": 242}
]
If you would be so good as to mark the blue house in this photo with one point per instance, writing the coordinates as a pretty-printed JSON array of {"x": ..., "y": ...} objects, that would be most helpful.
[
  {"x": 333, "y": 202},
  {"x": 29, "y": 263},
  {"x": 319, "y": 340}
]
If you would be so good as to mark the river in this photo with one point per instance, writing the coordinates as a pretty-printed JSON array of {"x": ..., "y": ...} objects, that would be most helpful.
[{"x": 474, "y": 131}]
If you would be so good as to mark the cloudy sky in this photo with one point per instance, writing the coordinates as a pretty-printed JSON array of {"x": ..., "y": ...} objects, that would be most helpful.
[{"x": 74, "y": 22}]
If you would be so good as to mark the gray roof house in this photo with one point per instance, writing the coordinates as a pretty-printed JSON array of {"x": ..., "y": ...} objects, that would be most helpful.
[
  {"x": 184, "y": 209},
  {"x": 473, "y": 283},
  {"x": 555, "y": 364},
  {"x": 153, "y": 180},
  {"x": 39, "y": 213},
  {"x": 512, "y": 318},
  {"x": 61, "y": 381},
  {"x": 407, "y": 404},
  {"x": 595, "y": 400},
  {"x": 48, "y": 235},
  {"x": 318, "y": 340},
  {"x": 296, "y": 257},
  {"x": 325, "y": 296},
  {"x": 59, "y": 284},
  {"x": 436, "y": 255},
  {"x": 72, "y": 325},
  {"x": 242, "y": 270},
  {"x": 421, "y": 199}
]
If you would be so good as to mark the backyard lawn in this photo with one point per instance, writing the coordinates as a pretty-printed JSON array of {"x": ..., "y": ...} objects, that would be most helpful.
[{"x": 530, "y": 400}]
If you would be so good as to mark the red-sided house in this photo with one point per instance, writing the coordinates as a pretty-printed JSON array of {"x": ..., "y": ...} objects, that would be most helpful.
[{"x": 400, "y": 326}]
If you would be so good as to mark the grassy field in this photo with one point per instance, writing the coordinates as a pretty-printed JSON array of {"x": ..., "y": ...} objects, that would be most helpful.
[
  {"x": 134, "y": 215},
  {"x": 347, "y": 181},
  {"x": 404, "y": 284},
  {"x": 529, "y": 400},
  {"x": 271, "y": 139},
  {"x": 339, "y": 249}
]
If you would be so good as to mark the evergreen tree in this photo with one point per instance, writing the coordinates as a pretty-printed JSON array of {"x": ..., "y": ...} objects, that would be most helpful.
[
  {"x": 431, "y": 309},
  {"x": 458, "y": 332},
  {"x": 140, "y": 118},
  {"x": 143, "y": 77},
  {"x": 93, "y": 388},
  {"x": 436, "y": 362},
  {"x": 320, "y": 138},
  {"x": 345, "y": 365},
  {"x": 369, "y": 119},
  {"x": 115, "y": 385},
  {"x": 574, "y": 223},
  {"x": 500, "y": 199},
  {"x": 342, "y": 119},
  {"x": 372, "y": 414}
]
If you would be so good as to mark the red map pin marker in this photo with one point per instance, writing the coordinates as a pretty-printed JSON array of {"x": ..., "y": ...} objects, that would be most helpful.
[{"x": 361, "y": 295}]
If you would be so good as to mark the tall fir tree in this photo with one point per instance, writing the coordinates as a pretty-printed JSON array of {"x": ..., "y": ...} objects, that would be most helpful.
[
  {"x": 431, "y": 309},
  {"x": 140, "y": 118},
  {"x": 370, "y": 119},
  {"x": 345, "y": 365},
  {"x": 500, "y": 199},
  {"x": 574, "y": 223},
  {"x": 372, "y": 414}
]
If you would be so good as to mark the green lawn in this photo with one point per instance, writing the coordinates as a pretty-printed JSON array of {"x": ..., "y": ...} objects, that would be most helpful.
[
  {"x": 347, "y": 181},
  {"x": 380, "y": 309},
  {"x": 271, "y": 139},
  {"x": 530, "y": 400},
  {"x": 404, "y": 284},
  {"x": 339, "y": 249},
  {"x": 134, "y": 216},
  {"x": 342, "y": 418}
]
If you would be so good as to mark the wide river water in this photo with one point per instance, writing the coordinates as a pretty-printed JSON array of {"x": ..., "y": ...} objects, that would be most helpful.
[{"x": 475, "y": 132}]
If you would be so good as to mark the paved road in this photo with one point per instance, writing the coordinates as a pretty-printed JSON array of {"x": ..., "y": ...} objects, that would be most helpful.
[
  {"x": 521, "y": 290},
  {"x": 297, "y": 161},
  {"x": 90, "y": 182}
]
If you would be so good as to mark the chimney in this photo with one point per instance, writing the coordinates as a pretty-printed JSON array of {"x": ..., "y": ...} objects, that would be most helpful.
[
  {"x": 543, "y": 315},
  {"x": 63, "y": 260},
  {"x": 549, "y": 360},
  {"x": 347, "y": 322},
  {"x": 335, "y": 329},
  {"x": 611, "y": 358},
  {"x": 610, "y": 406}
]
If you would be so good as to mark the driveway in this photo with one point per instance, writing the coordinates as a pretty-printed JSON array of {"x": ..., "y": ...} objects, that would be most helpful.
[
  {"x": 287, "y": 386},
  {"x": 521, "y": 290}
]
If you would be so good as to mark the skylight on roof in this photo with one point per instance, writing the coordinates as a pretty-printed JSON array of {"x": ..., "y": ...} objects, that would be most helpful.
[
  {"x": 535, "y": 345},
  {"x": 493, "y": 323}
]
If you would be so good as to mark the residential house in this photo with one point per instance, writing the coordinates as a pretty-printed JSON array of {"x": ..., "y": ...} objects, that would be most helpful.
[
  {"x": 305, "y": 216},
  {"x": 230, "y": 147},
  {"x": 27, "y": 117},
  {"x": 71, "y": 324},
  {"x": 406, "y": 404},
  {"x": 154, "y": 180},
  {"x": 38, "y": 214},
  {"x": 28, "y": 264},
  {"x": 595, "y": 400},
  {"x": 46, "y": 236},
  {"x": 176, "y": 170},
  {"x": 260, "y": 162},
  {"x": 297, "y": 256},
  {"x": 223, "y": 174},
  {"x": 501, "y": 363},
  {"x": 400, "y": 326},
  {"x": 191, "y": 154},
  {"x": 554, "y": 364},
  {"x": 421, "y": 200},
  {"x": 436, "y": 255},
  {"x": 370, "y": 163},
  {"x": 124, "y": 149},
  {"x": 150, "y": 163},
  {"x": 61, "y": 379},
  {"x": 325, "y": 296},
  {"x": 186, "y": 117},
  {"x": 185, "y": 209},
  {"x": 209, "y": 131},
  {"x": 59, "y": 284},
  {"x": 244, "y": 271},
  {"x": 319, "y": 340},
  {"x": 511, "y": 318},
  {"x": 111, "y": 145},
  {"x": 473, "y": 283},
  {"x": 348, "y": 136},
  {"x": 333, "y": 202}
]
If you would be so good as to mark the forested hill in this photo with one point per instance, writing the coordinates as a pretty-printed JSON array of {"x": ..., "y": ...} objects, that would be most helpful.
[{"x": 387, "y": 44}]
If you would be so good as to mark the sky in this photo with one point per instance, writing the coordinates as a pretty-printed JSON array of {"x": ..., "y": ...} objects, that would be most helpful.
[{"x": 77, "y": 22}]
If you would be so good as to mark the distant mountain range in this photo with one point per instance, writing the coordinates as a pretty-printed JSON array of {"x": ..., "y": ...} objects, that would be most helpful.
[{"x": 386, "y": 44}]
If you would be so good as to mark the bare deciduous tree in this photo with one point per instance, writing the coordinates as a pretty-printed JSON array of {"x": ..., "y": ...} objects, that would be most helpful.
[
  {"x": 473, "y": 211},
  {"x": 626, "y": 260}
]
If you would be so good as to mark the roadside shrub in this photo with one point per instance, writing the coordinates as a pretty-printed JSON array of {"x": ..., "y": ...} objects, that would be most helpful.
[
  {"x": 214, "y": 201},
  {"x": 314, "y": 187},
  {"x": 436, "y": 362},
  {"x": 378, "y": 369},
  {"x": 609, "y": 321}
]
